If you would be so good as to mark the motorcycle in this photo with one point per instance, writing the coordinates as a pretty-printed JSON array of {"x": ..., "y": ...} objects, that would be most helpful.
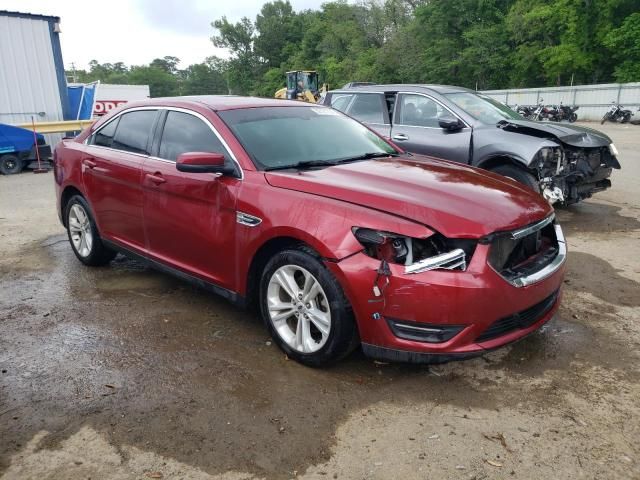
[
  {"x": 617, "y": 113},
  {"x": 525, "y": 110},
  {"x": 554, "y": 113},
  {"x": 568, "y": 113},
  {"x": 541, "y": 111}
]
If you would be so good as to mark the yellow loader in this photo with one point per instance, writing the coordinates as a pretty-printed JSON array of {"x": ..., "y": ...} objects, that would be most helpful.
[{"x": 302, "y": 85}]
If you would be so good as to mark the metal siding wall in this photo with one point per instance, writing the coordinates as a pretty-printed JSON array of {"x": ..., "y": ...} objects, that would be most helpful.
[
  {"x": 593, "y": 100},
  {"x": 28, "y": 81}
]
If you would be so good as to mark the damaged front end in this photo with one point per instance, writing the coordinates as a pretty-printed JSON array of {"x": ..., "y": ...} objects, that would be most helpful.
[
  {"x": 572, "y": 163},
  {"x": 569, "y": 174}
]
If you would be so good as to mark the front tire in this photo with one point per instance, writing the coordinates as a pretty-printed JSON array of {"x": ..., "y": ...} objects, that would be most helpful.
[
  {"x": 10, "y": 165},
  {"x": 520, "y": 175},
  {"x": 605, "y": 118},
  {"x": 83, "y": 234},
  {"x": 305, "y": 309}
]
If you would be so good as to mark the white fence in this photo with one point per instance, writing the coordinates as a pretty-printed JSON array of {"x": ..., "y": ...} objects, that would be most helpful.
[{"x": 593, "y": 100}]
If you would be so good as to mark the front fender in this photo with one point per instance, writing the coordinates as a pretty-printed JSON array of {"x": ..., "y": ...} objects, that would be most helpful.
[
  {"x": 493, "y": 143},
  {"x": 325, "y": 224}
]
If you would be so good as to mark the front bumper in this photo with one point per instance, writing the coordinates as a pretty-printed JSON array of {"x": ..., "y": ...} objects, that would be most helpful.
[{"x": 472, "y": 300}]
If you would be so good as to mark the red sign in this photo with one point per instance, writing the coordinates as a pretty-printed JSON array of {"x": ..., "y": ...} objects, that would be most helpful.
[{"x": 103, "y": 106}]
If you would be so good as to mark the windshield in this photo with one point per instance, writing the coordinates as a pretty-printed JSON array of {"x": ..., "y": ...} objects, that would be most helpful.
[
  {"x": 482, "y": 108},
  {"x": 281, "y": 137}
]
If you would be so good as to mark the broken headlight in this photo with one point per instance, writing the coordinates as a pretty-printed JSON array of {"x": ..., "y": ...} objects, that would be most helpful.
[
  {"x": 416, "y": 254},
  {"x": 613, "y": 150},
  {"x": 550, "y": 160}
]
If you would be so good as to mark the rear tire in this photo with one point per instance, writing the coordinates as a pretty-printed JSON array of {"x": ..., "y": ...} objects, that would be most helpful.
[
  {"x": 10, "y": 165},
  {"x": 305, "y": 309},
  {"x": 573, "y": 117},
  {"x": 520, "y": 175},
  {"x": 83, "y": 234}
]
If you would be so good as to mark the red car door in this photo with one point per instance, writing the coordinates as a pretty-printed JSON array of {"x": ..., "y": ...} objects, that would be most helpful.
[
  {"x": 112, "y": 169},
  {"x": 190, "y": 218}
]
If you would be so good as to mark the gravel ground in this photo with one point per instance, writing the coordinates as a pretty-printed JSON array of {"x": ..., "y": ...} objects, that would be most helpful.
[{"x": 121, "y": 372}]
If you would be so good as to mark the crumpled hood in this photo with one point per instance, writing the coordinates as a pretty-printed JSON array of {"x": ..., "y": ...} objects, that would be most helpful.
[
  {"x": 573, "y": 135},
  {"x": 455, "y": 200}
]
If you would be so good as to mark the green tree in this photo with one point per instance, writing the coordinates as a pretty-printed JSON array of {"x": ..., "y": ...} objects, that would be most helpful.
[
  {"x": 624, "y": 44},
  {"x": 161, "y": 83},
  {"x": 238, "y": 39}
]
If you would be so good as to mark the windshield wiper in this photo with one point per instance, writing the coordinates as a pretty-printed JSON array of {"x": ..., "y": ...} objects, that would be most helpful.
[
  {"x": 303, "y": 165},
  {"x": 332, "y": 163},
  {"x": 368, "y": 156}
]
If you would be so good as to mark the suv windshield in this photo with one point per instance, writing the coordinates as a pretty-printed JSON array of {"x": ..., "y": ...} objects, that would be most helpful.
[
  {"x": 482, "y": 108},
  {"x": 282, "y": 137}
]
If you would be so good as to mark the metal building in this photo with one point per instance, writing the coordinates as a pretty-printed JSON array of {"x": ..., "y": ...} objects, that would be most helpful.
[{"x": 32, "y": 78}]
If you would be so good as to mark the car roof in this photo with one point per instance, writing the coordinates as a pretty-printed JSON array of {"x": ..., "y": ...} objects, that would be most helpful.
[
  {"x": 404, "y": 87},
  {"x": 218, "y": 102}
]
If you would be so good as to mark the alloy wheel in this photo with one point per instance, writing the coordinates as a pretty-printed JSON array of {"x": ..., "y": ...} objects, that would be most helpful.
[
  {"x": 80, "y": 230},
  {"x": 298, "y": 308}
]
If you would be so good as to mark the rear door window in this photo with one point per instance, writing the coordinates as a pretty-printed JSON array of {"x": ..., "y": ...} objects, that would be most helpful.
[
  {"x": 340, "y": 101},
  {"x": 104, "y": 136},
  {"x": 184, "y": 133},
  {"x": 368, "y": 108},
  {"x": 134, "y": 131}
]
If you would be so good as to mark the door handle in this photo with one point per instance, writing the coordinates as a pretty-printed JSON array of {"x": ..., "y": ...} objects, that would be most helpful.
[
  {"x": 156, "y": 178},
  {"x": 89, "y": 163},
  {"x": 400, "y": 137}
]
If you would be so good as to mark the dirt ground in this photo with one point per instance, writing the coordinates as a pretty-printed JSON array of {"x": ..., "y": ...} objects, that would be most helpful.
[{"x": 122, "y": 372}]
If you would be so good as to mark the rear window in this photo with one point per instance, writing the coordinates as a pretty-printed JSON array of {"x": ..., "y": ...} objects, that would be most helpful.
[
  {"x": 104, "y": 136},
  {"x": 340, "y": 101},
  {"x": 368, "y": 108},
  {"x": 134, "y": 130}
]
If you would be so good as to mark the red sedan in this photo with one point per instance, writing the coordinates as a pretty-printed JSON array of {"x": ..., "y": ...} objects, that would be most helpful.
[{"x": 336, "y": 236}]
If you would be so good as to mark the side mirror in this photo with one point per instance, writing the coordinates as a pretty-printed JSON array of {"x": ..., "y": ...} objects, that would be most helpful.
[
  {"x": 450, "y": 124},
  {"x": 203, "y": 162}
]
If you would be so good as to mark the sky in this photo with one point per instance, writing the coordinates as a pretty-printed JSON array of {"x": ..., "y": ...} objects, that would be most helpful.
[{"x": 137, "y": 31}]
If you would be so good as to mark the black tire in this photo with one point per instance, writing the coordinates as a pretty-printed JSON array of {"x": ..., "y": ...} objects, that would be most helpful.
[
  {"x": 605, "y": 118},
  {"x": 573, "y": 117},
  {"x": 518, "y": 174},
  {"x": 98, "y": 254},
  {"x": 10, "y": 165},
  {"x": 626, "y": 116},
  {"x": 343, "y": 334}
]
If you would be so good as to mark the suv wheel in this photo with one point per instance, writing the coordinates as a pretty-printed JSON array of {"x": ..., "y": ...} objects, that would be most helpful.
[
  {"x": 305, "y": 309},
  {"x": 519, "y": 175},
  {"x": 10, "y": 164},
  {"x": 83, "y": 234}
]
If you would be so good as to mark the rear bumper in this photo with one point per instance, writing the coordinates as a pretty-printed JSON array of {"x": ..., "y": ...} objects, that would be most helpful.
[{"x": 471, "y": 301}]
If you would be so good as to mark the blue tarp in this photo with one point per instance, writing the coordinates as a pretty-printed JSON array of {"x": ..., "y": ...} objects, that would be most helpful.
[
  {"x": 15, "y": 139},
  {"x": 81, "y": 99}
]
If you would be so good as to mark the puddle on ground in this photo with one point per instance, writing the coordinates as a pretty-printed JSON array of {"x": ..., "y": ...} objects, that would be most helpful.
[
  {"x": 152, "y": 362},
  {"x": 593, "y": 217}
]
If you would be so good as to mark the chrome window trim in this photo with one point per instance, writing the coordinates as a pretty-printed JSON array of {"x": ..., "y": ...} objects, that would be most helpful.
[
  {"x": 395, "y": 109},
  {"x": 172, "y": 109},
  {"x": 119, "y": 151}
]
